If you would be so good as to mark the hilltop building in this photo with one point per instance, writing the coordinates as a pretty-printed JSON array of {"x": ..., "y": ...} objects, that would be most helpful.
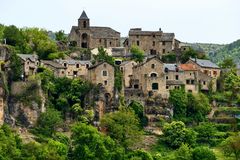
[
  {"x": 86, "y": 36},
  {"x": 152, "y": 42}
]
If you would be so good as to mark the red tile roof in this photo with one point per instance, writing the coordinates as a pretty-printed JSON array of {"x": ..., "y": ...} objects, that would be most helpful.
[{"x": 188, "y": 67}]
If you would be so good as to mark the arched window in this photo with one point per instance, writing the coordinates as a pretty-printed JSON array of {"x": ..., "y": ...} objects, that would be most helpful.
[{"x": 153, "y": 75}]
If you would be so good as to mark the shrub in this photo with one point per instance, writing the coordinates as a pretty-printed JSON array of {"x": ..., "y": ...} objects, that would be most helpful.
[{"x": 203, "y": 153}]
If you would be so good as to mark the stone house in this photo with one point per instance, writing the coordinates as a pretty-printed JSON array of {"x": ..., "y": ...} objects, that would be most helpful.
[
  {"x": 195, "y": 80},
  {"x": 87, "y": 36},
  {"x": 149, "y": 77},
  {"x": 127, "y": 70},
  {"x": 102, "y": 74},
  {"x": 75, "y": 68},
  {"x": 174, "y": 76},
  {"x": 152, "y": 42},
  {"x": 30, "y": 64},
  {"x": 58, "y": 69},
  {"x": 206, "y": 66}
]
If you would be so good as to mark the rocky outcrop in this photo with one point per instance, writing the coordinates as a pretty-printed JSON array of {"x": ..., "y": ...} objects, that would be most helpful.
[{"x": 26, "y": 103}]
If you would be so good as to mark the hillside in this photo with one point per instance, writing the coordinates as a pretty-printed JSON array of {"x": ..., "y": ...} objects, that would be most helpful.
[{"x": 218, "y": 52}]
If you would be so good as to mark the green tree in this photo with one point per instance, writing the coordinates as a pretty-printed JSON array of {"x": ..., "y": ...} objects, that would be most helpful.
[
  {"x": 232, "y": 85},
  {"x": 178, "y": 100},
  {"x": 60, "y": 36},
  {"x": 103, "y": 56},
  {"x": 16, "y": 71},
  {"x": 203, "y": 153},
  {"x": 89, "y": 144},
  {"x": 137, "y": 53},
  {"x": 139, "y": 155},
  {"x": 139, "y": 111},
  {"x": 206, "y": 133},
  {"x": 176, "y": 133},
  {"x": 227, "y": 63},
  {"x": 198, "y": 107},
  {"x": 2, "y": 27},
  {"x": 48, "y": 122},
  {"x": 13, "y": 35},
  {"x": 188, "y": 54},
  {"x": 122, "y": 126},
  {"x": 10, "y": 144},
  {"x": 232, "y": 146},
  {"x": 183, "y": 153}
]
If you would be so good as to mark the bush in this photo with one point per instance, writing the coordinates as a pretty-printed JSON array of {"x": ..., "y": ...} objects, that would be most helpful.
[{"x": 203, "y": 153}]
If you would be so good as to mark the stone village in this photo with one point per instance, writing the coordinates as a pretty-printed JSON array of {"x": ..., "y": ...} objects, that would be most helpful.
[{"x": 148, "y": 82}]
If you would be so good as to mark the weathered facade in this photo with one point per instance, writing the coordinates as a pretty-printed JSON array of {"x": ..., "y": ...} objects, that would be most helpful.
[
  {"x": 174, "y": 76},
  {"x": 30, "y": 64},
  {"x": 58, "y": 69},
  {"x": 152, "y": 42},
  {"x": 75, "y": 68},
  {"x": 149, "y": 78},
  {"x": 127, "y": 71},
  {"x": 87, "y": 36}
]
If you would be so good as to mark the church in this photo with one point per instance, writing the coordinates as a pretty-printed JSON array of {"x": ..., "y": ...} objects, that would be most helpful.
[{"x": 86, "y": 36}]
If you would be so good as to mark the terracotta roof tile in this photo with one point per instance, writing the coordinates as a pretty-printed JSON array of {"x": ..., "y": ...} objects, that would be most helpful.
[{"x": 188, "y": 67}]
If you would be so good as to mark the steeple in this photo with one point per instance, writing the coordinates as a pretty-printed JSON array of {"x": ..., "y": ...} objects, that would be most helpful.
[
  {"x": 84, "y": 15},
  {"x": 83, "y": 21}
]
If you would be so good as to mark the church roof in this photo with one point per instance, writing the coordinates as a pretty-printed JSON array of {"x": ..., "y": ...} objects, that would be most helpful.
[
  {"x": 103, "y": 32},
  {"x": 83, "y": 15}
]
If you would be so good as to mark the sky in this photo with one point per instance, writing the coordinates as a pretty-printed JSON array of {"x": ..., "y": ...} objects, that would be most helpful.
[{"x": 208, "y": 21}]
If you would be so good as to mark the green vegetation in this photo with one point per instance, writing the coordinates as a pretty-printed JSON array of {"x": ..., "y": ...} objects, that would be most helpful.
[{"x": 137, "y": 53}]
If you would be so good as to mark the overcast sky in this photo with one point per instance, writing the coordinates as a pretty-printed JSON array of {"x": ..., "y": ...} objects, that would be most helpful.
[{"x": 215, "y": 21}]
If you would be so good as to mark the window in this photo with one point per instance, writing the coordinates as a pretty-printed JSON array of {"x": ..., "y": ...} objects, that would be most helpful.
[
  {"x": 62, "y": 72},
  {"x": 153, "y": 66},
  {"x": 154, "y": 86},
  {"x": 166, "y": 77},
  {"x": 110, "y": 43},
  {"x": 104, "y": 65},
  {"x": 188, "y": 81},
  {"x": 176, "y": 77},
  {"x": 77, "y": 65},
  {"x": 137, "y": 36},
  {"x": 166, "y": 70},
  {"x": 153, "y": 75},
  {"x": 135, "y": 86},
  {"x": 65, "y": 64},
  {"x": 153, "y": 44},
  {"x": 163, "y": 51},
  {"x": 204, "y": 82},
  {"x": 190, "y": 91},
  {"x": 100, "y": 41},
  {"x": 154, "y": 36},
  {"x": 192, "y": 81},
  {"x": 214, "y": 73},
  {"x": 104, "y": 73},
  {"x": 84, "y": 24},
  {"x": 163, "y": 43},
  {"x": 138, "y": 43},
  {"x": 105, "y": 83},
  {"x": 190, "y": 74},
  {"x": 75, "y": 73},
  {"x": 205, "y": 71},
  {"x": 87, "y": 65},
  {"x": 167, "y": 87}
]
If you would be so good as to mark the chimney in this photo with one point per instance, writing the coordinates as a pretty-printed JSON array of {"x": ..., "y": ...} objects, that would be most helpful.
[{"x": 160, "y": 29}]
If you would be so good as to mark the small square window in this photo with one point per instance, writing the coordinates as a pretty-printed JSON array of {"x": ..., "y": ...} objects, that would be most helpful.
[
  {"x": 105, "y": 83},
  {"x": 104, "y": 73}
]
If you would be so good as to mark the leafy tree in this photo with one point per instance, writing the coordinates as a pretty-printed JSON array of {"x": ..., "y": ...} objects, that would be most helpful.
[
  {"x": 232, "y": 146},
  {"x": 176, "y": 133},
  {"x": 139, "y": 155},
  {"x": 48, "y": 122},
  {"x": 60, "y": 36},
  {"x": 13, "y": 35},
  {"x": 188, "y": 54},
  {"x": 198, "y": 107},
  {"x": 139, "y": 111},
  {"x": 203, "y": 153},
  {"x": 206, "y": 133},
  {"x": 16, "y": 67},
  {"x": 122, "y": 126},
  {"x": 2, "y": 27},
  {"x": 89, "y": 144},
  {"x": 118, "y": 79},
  {"x": 232, "y": 84},
  {"x": 183, "y": 153},
  {"x": 10, "y": 144},
  {"x": 169, "y": 58},
  {"x": 227, "y": 63},
  {"x": 178, "y": 100},
  {"x": 102, "y": 56},
  {"x": 137, "y": 53}
]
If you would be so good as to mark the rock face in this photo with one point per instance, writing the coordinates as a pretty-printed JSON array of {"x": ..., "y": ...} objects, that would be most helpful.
[{"x": 25, "y": 104}]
